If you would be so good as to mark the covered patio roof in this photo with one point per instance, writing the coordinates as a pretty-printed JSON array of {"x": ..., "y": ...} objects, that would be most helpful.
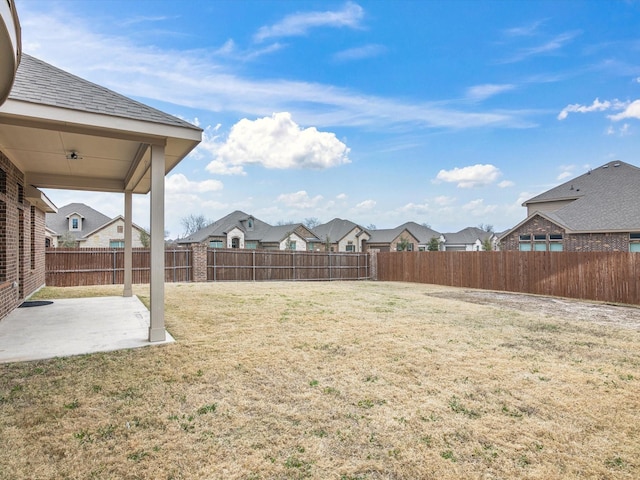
[{"x": 65, "y": 132}]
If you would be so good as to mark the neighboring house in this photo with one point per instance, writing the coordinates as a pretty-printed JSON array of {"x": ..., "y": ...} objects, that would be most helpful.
[
  {"x": 244, "y": 231},
  {"x": 409, "y": 236},
  {"x": 60, "y": 131},
  {"x": 422, "y": 233},
  {"x": 393, "y": 240},
  {"x": 597, "y": 211},
  {"x": 89, "y": 228},
  {"x": 340, "y": 235},
  {"x": 470, "y": 239}
]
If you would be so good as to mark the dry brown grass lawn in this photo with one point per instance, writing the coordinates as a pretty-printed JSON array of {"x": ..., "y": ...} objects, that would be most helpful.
[{"x": 333, "y": 381}]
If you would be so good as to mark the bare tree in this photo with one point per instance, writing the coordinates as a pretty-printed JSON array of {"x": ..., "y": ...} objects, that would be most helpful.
[
  {"x": 280, "y": 223},
  {"x": 192, "y": 223},
  {"x": 311, "y": 222},
  {"x": 67, "y": 240},
  {"x": 371, "y": 226},
  {"x": 425, "y": 225},
  {"x": 486, "y": 227}
]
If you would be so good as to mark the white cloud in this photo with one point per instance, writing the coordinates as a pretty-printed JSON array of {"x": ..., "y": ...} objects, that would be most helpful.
[
  {"x": 596, "y": 106},
  {"x": 342, "y": 196},
  {"x": 178, "y": 183},
  {"x": 472, "y": 176},
  {"x": 216, "y": 167},
  {"x": 632, "y": 110},
  {"x": 525, "y": 30},
  {"x": 300, "y": 23},
  {"x": 556, "y": 43},
  {"x": 366, "y": 205},
  {"x": 300, "y": 199},
  {"x": 482, "y": 92},
  {"x": 564, "y": 175},
  {"x": 444, "y": 201},
  {"x": 506, "y": 184},
  {"x": 415, "y": 208},
  {"x": 478, "y": 208},
  {"x": 359, "y": 53},
  {"x": 278, "y": 142}
]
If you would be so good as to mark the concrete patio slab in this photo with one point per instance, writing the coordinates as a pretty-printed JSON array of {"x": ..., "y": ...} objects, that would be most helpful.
[{"x": 74, "y": 327}]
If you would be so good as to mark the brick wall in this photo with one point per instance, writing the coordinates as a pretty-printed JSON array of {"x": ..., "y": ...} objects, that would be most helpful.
[
  {"x": 579, "y": 242},
  {"x": 22, "y": 260}
]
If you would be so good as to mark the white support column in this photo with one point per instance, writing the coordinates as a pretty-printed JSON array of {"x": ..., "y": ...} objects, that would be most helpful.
[
  {"x": 128, "y": 245},
  {"x": 156, "y": 329}
]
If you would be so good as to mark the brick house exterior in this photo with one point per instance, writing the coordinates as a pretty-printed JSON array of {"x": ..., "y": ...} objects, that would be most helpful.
[
  {"x": 22, "y": 237},
  {"x": 598, "y": 211}
]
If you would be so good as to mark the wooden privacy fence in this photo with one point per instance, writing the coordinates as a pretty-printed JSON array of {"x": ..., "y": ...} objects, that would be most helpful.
[
  {"x": 68, "y": 267},
  {"x": 601, "y": 276},
  {"x": 264, "y": 265}
]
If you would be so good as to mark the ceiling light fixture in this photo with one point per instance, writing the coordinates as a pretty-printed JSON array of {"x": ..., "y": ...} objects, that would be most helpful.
[{"x": 73, "y": 155}]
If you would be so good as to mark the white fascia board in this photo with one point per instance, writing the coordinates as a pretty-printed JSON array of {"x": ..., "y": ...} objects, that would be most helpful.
[{"x": 75, "y": 119}]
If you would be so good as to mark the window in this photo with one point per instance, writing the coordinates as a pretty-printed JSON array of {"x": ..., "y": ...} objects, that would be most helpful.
[
  {"x": 291, "y": 245},
  {"x": 634, "y": 242},
  {"x": 251, "y": 245},
  {"x": 215, "y": 244},
  {"x": 116, "y": 243},
  {"x": 540, "y": 243},
  {"x": 555, "y": 242},
  {"x": 75, "y": 224},
  {"x": 250, "y": 224},
  {"x": 120, "y": 229},
  {"x": 350, "y": 247},
  {"x": 525, "y": 243},
  {"x": 410, "y": 247},
  {"x": 235, "y": 242}
]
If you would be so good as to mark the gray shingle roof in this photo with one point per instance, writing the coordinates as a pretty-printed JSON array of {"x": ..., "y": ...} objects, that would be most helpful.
[
  {"x": 40, "y": 83},
  {"x": 606, "y": 199},
  {"x": 466, "y": 236},
  {"x": 423, "y": 234},
  {"x": 385, "y": 235},
  {"x": 220, "y": 228},
  {"x": 335, "y": 229},
  {"x": 59, "y": 223}
]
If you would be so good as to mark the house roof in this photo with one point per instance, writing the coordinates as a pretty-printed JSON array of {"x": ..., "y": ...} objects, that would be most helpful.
[
  {"x": 227, "y": 223},
  {"x": 604, "y": 199},
  {"x": 41, "y": 83},
  {"x": 467, "y": 236},
  {"x": 423, "y": 234},
  {"x": 51, "y": 114},
  {"x": 335, "y": 229},
  {"x": 59, "y": 222},
  {"x": 386, "y": 235}
]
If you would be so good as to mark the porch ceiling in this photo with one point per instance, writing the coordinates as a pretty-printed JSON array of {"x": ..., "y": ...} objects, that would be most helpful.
[{"x": 108, "y": 159}]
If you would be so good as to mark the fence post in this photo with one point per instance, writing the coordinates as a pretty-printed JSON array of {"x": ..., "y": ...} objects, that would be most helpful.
[
  {"x": 113, "y": 274},
  {"x": 253, "y": 263},
  {"x": 199, "y": 260},
  {"x": 373, "y": 261}
]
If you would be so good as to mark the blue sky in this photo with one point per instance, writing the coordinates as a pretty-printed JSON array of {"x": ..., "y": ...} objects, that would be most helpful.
[{"x": 450, "y": 113}]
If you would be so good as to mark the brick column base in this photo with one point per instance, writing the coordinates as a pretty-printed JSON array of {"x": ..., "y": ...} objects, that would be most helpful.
[{"x": 199, "y": 262}]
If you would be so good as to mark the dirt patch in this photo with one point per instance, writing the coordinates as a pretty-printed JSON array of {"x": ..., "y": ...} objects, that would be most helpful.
[{"x": 578, "y": 310}]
